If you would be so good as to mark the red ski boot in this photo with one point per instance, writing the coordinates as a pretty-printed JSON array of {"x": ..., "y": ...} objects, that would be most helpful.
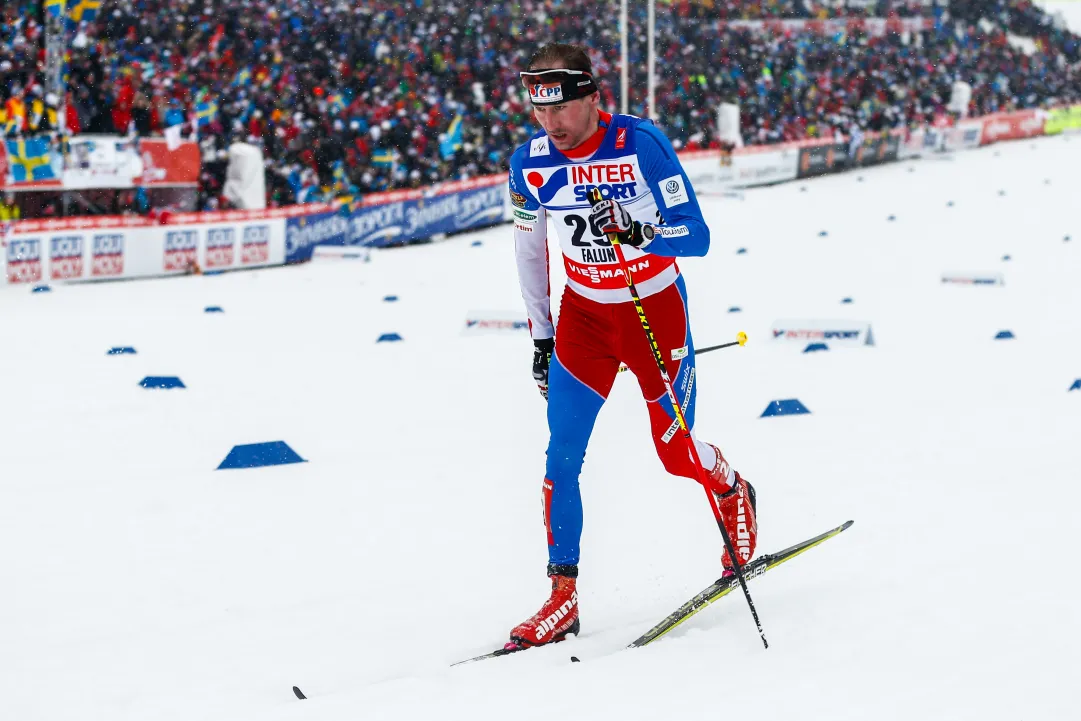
[
  {"x": 736, "y": 499},
  {"x": 556, "y": 618}
]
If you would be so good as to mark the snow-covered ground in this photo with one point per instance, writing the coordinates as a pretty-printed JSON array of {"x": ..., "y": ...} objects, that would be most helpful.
[{"x": 139, "y": 583}]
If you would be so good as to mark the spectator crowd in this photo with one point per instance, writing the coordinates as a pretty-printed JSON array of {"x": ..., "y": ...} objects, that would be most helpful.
[{"x": 347, "y": 97}]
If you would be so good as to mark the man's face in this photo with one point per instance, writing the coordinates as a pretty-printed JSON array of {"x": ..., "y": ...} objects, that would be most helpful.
[{"x": 569, "y": 124}]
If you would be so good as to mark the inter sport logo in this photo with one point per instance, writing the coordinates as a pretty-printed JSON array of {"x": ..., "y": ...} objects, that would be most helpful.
[{"x": 547, "y": 190}]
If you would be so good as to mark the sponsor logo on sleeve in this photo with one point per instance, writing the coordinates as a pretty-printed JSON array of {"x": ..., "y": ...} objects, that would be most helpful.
[
  {"x": 621, "y": 138},
  {"x": 672, "y": 231},
  {"x": 525, "y": 217},
  {"x": 517, "y": 199},
  {"x": 673, "y": 191}
]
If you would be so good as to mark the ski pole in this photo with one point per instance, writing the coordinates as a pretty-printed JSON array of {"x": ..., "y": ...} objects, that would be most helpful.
[
  {"x": 594, "y": 198},
  {"x": 741, "y": 339}
]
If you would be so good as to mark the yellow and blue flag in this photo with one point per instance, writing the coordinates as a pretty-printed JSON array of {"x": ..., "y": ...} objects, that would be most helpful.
[
  {"x": 84, "y": 10},
  {"x": 243, "y": 77},
  {"x": 55, "y": 7},
  {"x": 206, "y": 112},
  {"x": 452, "y": 139},
  {"x": 30, "y": 160},
  {"x": 383, "y": 158}
]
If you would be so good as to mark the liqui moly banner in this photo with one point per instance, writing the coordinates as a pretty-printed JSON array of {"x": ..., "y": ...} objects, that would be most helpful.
[{"x": 80, "y": 249}]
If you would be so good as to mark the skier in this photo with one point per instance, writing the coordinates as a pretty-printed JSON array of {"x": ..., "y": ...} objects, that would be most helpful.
[{"x": 648, "y": 201}]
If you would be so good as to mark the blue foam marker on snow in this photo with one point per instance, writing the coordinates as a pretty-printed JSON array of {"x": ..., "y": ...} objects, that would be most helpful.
[
  {"x": 121, "y": 350},
  {"x": 741, "y": 251},
  {"x": 734, "y": 309},
  {"x": 1002, "y": 192},
  {"x": 814, "y": 347},
  {"x": 390, "y": 298},
  {"x": 41, "y": 289},
  {"x": 823, "y": 234},
  {"x": 476, "y": 243},
  {"x": 1004, "y": 335},
  {"x": 1066, "y": 239},
  {"x": 213, "y": 272},
  {"x": 258, "y": 455},
  {"x": 162, "y": 382},
  {"x": 949, "y": 204},
  {"x": 892, "y": 218},
  {"x": 388, "y": 337},
  {"x": 1076, "y": 385},
  {"x": 213, "y": 309},
  {"x": 1005, "y": 257},
  {"x": 846, "y": 301},
  {"x": 790, "y": 407}
]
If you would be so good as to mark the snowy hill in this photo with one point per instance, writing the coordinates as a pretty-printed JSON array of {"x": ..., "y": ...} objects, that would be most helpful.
[{"x": 140, "y": 583}]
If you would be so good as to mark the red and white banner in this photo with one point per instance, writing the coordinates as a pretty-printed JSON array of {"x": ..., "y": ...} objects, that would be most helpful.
[{"x": 1017, "y": 125}]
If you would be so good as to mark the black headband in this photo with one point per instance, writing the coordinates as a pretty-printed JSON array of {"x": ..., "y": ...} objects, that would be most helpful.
[{"x": 557, "y": 86}]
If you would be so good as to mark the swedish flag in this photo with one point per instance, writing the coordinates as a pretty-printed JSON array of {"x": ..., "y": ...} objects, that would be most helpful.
[
  {"x": 452, "y": 139},
  {"x": 383, "y": 158},
  {"x": 84, "y": 10},
  {"x": 29, "y": 160},
  {"x": 206, "y": 112},
  {"x": 55, "y": 7},
  {"x": 242, "y": 78}
]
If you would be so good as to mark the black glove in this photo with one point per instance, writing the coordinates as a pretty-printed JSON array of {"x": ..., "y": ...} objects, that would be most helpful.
[
  {"x": 609, "y": 216},
  {"x": 542, "y": 357}
]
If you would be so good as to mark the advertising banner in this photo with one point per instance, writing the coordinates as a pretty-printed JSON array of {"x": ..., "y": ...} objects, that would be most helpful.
[
  {"x": 1013, "y": 126},
  {"x": 763, "y": 165},
  {"x": 123, "y": 247},
  {"x": 1062, "y": 120},
  {"x": 822, "y": 158},
  {"x": 831, "y": 332}
]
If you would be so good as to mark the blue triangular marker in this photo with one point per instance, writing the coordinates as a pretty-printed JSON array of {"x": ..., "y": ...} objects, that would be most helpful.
[
  {"x": 162, "y": 382},
  {"x": 741, "y": 251},
  {"x": 41, "y": 289},
  {"x": 1004, "y": 335},
  {"x": 213, "y": 309},
  {"x": 121, "y": 350},
  {"x": 790, "y": 407},
  {"x": 812, "y": 347},
  {"x": 387, "y": 337},
  {"x": 257, "y": 455},
  {"x": 390, "y": 298},
  {"x": 1076, "y": 385}
]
